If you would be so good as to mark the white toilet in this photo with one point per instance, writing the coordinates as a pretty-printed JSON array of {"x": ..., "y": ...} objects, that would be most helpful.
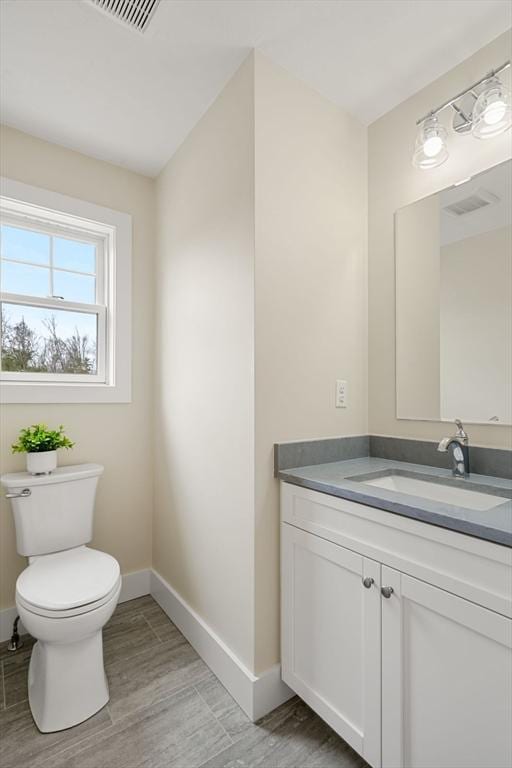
[{"x": 66, "y": 594}]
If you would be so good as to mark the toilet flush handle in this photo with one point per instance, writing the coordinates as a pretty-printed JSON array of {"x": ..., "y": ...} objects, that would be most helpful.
[{"x": 21, "y": 495}]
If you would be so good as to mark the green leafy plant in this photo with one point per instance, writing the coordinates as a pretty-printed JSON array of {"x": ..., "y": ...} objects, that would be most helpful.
[{"x": 39, "y": 439}]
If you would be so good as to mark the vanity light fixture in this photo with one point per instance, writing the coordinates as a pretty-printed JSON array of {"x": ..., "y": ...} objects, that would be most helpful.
[{"x": 484, "y": 110}]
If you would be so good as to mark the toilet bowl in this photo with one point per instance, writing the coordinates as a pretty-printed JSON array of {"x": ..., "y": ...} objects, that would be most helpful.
[
  {"x": 65, "y": 596},
  {"x": 64, "y": 600}
]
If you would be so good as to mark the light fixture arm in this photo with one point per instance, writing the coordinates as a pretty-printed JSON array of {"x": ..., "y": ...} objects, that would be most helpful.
[{"x": 451, "y": 102}]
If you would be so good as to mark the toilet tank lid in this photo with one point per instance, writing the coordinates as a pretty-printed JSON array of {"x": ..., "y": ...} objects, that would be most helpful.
[{"x": 59, "y": 475}]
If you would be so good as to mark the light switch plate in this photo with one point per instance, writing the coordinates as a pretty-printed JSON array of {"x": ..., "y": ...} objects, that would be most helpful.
[{"x": 341, "y": 393}]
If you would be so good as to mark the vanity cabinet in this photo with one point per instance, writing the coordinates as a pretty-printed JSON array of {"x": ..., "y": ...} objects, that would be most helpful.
[{"x": 411, "y": 673}]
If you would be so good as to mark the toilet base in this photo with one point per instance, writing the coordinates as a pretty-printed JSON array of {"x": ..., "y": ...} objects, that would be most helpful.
[{"x": 66, "y": 682}]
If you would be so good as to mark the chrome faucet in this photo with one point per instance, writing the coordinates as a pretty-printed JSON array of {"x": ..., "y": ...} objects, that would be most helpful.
[{"x": 459, "y": 444}]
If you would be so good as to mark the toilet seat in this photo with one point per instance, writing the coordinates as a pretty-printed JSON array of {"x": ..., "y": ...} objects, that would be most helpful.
[
  {"x": 77, "y": 611},
  {"x": 68, "y": 583}
]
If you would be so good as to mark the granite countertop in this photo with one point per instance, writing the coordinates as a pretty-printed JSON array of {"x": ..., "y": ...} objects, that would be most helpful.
[{"x": 337, "y": 479}]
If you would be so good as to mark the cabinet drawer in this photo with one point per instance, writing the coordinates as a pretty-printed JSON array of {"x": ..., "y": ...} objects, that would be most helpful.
[{"x": 477, "y": 570}]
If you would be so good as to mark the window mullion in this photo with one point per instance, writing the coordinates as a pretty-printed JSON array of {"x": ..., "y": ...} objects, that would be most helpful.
[
  {"x": 46, "y": 266},
  {"x": 51, "y": 267}
]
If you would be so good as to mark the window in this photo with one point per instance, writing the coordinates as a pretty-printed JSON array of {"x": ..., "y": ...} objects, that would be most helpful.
[
  {"x": 53, "y": 302},
  {"x": 65, "y": 294}
]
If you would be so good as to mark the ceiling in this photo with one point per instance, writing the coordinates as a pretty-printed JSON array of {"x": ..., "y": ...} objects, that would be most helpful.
[{"x": 75, "y": 77}]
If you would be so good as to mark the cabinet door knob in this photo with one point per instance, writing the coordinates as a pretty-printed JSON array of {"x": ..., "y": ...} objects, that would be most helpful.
[
  {"x": 368, "y": 581},
  {"x": 387, "y": 591}
]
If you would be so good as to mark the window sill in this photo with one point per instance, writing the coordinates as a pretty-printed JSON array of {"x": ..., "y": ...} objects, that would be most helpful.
[{"x": 24, "y": 392}]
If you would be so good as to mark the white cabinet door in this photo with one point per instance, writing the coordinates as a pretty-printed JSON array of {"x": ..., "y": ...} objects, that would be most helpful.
[
  {"x": 331, "y": 635},
  {"x": 446, "y": 679}
]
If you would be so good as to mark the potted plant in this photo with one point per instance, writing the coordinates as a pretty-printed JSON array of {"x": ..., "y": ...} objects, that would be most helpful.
[{"x": 40, "y": 444}]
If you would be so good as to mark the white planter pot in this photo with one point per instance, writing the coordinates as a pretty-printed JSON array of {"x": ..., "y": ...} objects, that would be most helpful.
[{"x": 41, "y": 463}]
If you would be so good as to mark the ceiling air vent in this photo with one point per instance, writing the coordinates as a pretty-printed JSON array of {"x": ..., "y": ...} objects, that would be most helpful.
[
  {"x": 136, "y": 14},
  {"x": 479, "y": 199}
]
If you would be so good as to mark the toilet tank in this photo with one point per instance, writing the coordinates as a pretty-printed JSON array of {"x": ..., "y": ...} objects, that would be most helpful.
[{"x": 56, "y": 510}]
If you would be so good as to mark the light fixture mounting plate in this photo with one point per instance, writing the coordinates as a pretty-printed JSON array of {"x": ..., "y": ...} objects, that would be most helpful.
[{"x": 463, "y": 108}]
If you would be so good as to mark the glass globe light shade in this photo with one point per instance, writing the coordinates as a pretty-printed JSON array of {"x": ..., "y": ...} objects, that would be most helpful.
[
  {"x": 492, "y": 113},
  {"x": 430, "y": 149}
]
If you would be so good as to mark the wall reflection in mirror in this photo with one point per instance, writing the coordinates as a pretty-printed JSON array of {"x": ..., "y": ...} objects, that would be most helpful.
[{"x": 453, "y": 255}]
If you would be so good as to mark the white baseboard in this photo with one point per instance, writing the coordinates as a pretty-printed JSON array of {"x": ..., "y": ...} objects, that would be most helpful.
[
  {"x": 135, "y": 584},
  {"x": 256, "y": 695},
  {"x": 269, "y": 691}
]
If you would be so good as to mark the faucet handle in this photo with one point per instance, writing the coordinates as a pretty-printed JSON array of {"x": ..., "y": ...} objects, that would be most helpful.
[{"x": 460, "y": 430}]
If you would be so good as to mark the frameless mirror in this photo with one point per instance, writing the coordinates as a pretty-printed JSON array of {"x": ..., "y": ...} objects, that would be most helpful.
[{"x": 453, "y": 254}]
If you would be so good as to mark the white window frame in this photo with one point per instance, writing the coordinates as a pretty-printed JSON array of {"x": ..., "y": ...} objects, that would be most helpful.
[
  {"x": 111, "y": 230},
  {"x": 22, "y": 216}
]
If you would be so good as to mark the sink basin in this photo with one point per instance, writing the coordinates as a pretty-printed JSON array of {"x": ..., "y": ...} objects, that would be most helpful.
[{"x": 434, "y": 490}]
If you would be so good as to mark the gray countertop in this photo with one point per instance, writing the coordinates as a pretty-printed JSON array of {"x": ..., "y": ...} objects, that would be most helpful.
[{"x": 336, "y": 479}]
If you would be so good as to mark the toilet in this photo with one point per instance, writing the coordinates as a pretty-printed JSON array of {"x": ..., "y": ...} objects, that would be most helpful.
[{"x": 66, "y": 594}]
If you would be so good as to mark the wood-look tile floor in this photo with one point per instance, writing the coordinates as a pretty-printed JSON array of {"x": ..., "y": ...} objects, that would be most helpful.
[{"x": 166, "y": 710}]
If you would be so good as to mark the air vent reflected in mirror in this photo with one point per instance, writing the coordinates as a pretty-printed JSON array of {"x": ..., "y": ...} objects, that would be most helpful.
[
  {"x": 136, "y": 14},
  {"x": 479, "y": 199}
]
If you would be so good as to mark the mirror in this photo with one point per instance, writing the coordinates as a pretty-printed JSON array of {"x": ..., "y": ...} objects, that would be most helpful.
[{"x": 453, "y": 253}]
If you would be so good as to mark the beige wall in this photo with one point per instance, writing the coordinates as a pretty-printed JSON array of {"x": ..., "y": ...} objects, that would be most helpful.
[
  {"x": 393, "y": 183},
  {"x": 261, "y": 305},
  {"x": 311, "y": 290},
  {"x": 118, "y": 435},
  {"x": 203, "y": 523},
  {"x": 476, "y": 327},
  {"x": 417, "y": 243}
]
